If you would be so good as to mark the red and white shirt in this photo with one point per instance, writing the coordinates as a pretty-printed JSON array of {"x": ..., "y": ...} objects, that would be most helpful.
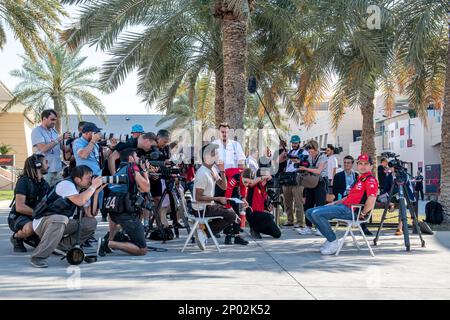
[{"x": 366, "y": 185}]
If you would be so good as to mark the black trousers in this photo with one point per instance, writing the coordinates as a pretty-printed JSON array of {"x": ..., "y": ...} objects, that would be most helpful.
[
  {"x": 263, "y": 222},
  {"x": 420, "y": 192},
  {"x": 316, "y": 197}
]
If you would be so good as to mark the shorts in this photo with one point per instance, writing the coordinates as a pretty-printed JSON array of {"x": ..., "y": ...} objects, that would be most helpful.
[
  {"x": 132, "y": 226},
  {"x": 17, "y": 222}
]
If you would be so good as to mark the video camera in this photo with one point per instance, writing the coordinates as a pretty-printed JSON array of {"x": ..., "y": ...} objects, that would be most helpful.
[
  {"x": 166, "y": 169},
  {"x": 401, "y": 173},
  {"x": 337, "y": 149},
  {"x": 303, "y": 160}
]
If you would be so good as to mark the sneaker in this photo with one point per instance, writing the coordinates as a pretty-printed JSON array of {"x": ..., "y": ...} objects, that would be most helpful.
[
  {"x": 102, "y": 247},
  {"x": 38, "y": 262},
  {"x": 104, "y": 219},
  {"x": 287, "y": 224},
  {"x": 240, "y": 240},
  {"x": 399, "y": 232},
  {"x": 18, "y": 245},
  {"x": 201, "y": 238},
  {"x": 318, "y": 233},
  {"x": 228, "y": 239},
  {"x": 305, "y": 231},
  {"x": 255, "y": 235},
  {"x": 331, "y": 248},
  {"x": 325, "y": 245},
  {"x": 217, "y": 235}
]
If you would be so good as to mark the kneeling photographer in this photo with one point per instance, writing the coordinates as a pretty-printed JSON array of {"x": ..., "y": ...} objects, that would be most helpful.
[
  {"x": 30, "y": 189},
  {"x": 51, "y": 216},
  {"x": 258, "y": 217},
  {"x": 120, "y": 204}
]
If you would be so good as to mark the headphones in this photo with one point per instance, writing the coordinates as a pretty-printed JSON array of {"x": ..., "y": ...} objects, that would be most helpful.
[{"x": 37, "y": 161}]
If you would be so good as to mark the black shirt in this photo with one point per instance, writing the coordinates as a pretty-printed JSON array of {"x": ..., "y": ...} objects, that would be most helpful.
[
  {"x": 131, "y": 143},
  {"x": 33, "y": 191},
  {"x": 419, "y": 183},
  {"x": 381, "y": 175}
]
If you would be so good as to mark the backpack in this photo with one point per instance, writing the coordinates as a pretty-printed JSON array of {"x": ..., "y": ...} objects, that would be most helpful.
[
  {"x": 156, "y": 234},
  {"x": 434, "y": 212}
]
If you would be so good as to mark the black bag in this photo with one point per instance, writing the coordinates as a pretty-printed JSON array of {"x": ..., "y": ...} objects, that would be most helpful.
[
  {"x": 434, "y": 213},
  {"x": 425, "y": 228},
  {"x": 118, "y": 202},
  {"x": 156, "y": 234}
]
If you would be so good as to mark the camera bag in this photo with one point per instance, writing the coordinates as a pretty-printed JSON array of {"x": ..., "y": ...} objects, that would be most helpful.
[{"x": 118, "y": 202}]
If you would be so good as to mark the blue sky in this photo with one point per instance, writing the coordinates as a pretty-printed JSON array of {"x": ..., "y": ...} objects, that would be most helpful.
[{"x": 123, "y": 101}]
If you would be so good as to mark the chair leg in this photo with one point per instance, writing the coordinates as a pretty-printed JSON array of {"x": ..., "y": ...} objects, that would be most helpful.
[
  {"x": 336, "y": 226},
  {"x": 342, "y": 240},
  {"x": 212, "y": 236},
  {"x": 354, "y": 240},
  {"x": 194, "y": 228},
  {"x": 365, "y": 239}
]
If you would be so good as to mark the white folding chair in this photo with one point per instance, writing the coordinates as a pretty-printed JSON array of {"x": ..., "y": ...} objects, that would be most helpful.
[
  {"x": 355, "y": 223},
  {"x": 201, "y": 219}
]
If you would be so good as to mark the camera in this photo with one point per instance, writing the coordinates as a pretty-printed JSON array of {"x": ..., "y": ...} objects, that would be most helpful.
[
  {"x": 122, "y": 179},
  {"x": 166, "y": 170},
  {"x": 337, "y": 149},
  {"x": 303, "y": 160},
  {"x": 142, "y": 203},
  {"x": 400, "y": 171}
]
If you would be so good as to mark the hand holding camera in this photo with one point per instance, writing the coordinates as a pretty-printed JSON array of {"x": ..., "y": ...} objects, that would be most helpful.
[
  {"x": 96, "y": 137},
  {"x": 97, "y": 182}
]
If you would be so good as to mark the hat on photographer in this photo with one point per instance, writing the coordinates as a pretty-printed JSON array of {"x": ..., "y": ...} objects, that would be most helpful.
[
  {"x": 90, "y": 127},
  {"x": 295, "y": 139},
  {"x": 137, "y": 128}
]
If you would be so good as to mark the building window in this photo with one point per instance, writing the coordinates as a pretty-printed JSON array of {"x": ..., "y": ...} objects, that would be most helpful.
[
  {"x": 402, "y": 131},
  {"x": 396, "y": 125},
  {"x": 325, "y": 140},
  {"x": 402, "y": 144},
  {"x": 320, "y": 141}
]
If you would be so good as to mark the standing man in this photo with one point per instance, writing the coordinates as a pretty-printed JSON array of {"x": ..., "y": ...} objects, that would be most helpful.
[
  {"x": 230, "y": 151},
  {"x": 382, "y": 171},
  {"x": 47, "y": 141},
  {"x": 293, "y": 195},
  {"x": 419, "y": 185},
  {"x": 137, "y": 130},
  {"x": 332, "y": 166}
]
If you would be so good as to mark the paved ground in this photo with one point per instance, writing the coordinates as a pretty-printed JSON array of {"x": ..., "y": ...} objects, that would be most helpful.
[{"x": 287, "y": 268}]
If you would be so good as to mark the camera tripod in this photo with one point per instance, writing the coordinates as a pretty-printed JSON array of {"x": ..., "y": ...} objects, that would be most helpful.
[
  {"x": 176, "y": 201},
  {"x": 404, "y": 204}
]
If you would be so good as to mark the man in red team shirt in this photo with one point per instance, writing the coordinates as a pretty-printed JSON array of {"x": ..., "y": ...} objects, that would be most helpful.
[{"x": 364, "y": 191}]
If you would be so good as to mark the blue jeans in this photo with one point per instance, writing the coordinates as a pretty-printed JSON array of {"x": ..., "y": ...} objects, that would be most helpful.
[{"x": 321, "y": 216}]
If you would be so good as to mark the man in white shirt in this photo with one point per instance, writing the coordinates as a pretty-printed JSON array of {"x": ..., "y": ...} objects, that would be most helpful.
[
  {"x": 332, "y": 166},
  {"x": 206, "y": 178},
  {"x": 230, "y": 152}
]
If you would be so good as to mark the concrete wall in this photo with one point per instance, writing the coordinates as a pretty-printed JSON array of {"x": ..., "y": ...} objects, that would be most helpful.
[{"x": 15, "y": 130}]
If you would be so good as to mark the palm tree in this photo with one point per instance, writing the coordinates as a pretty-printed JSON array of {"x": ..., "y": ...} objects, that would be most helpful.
[
  {"x": 56, "y": 81},
  {"x": 27, "y": 19},
  {"x": 424, "y": 52}
]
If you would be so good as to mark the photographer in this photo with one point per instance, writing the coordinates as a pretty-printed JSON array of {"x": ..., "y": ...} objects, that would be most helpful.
[
  {"x": 204, "y": 184},
  {"x": 382, "y": 171},
  {"x": 364, "y": 191},
  {"x": 29, "y": 191},
  {"x": 315, "y": 197},
  {"x": 293, "y": 194},
  {"x": 258, "y": 217},
  {"x": 46, "y": 140},
  {"x": 51, "y": 222},
  {"x": 136, "y": 131},
  {"x": 122, "y": 211},
  {"x": 143, "y": 145}
]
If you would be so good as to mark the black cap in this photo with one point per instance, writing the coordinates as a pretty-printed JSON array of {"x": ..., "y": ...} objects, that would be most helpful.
[{"x": 90, "y": 127}]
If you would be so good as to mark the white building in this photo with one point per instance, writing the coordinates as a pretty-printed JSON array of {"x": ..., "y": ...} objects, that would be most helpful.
[{"x": 348, "y": 131}]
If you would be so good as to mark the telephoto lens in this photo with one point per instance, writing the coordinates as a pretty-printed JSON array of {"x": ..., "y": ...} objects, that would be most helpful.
[{"x": 122, "y": 179}]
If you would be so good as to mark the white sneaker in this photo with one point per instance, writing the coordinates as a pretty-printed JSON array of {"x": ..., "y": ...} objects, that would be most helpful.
[
  {"x": 331, "y": 248},
  {"x": 318, "y": 233},
  {"x": 201, "y": 238},
  {"x": 305, "y": 231},
  {"x": 325, "y": 244}
]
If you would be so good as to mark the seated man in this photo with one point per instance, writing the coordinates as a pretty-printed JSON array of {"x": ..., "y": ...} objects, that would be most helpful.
[
  {"x": 258, "y": 217},
  {"x": 204, "y": 184},
  {"x": 29, "y": 191},
  {"x": 364, "y": 191},
  {"x": 123, "y": 214},
  {"x": 52, "y": 224}
]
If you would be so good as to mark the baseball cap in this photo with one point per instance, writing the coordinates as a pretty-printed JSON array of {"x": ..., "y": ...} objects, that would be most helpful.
[
  {"x": 295, "y": 139},
  {"x": 90, "y": 127},
  {"x": 365, "y": 157},
  {"x": 137, "y": 128}
]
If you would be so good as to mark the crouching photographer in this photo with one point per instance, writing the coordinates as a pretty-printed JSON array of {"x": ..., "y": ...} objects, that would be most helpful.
[
  {"x": 258, "y": 217},
  {"x": 51, "y": 216},
  {"x": 132, "y": 177},
  {"x": 30, "y": 189}
]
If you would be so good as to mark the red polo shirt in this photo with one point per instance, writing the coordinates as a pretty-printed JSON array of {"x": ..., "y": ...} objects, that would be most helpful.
[
  {"x": 366, "y": 184},
  {"x": 234, "y": 184}
]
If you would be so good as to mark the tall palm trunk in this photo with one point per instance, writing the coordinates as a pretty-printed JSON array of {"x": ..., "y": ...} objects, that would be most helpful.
[
  {"x": 445, "y": 142},
  {"x": 58, "y": 108},
  {"x": 234, "y": 32},
  {"x": 368, "y": 130},
  {"x": 219, "y": 104}
]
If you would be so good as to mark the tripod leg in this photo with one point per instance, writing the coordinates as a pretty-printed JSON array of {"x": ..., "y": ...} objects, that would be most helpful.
[
  {"x": 405, "y": 222},
  {"x": 383, "y": 217},
  {"x": 184, "y": 211},
  {"x": 415, "y": 219}
]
